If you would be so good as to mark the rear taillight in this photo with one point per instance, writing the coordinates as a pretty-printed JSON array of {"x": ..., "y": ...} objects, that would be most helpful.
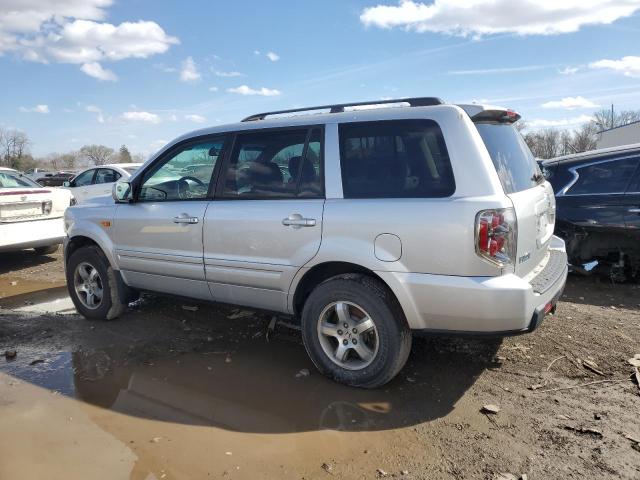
[{"x": 496, "y": 236}]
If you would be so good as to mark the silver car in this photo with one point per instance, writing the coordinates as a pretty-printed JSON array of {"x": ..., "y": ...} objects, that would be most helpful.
[{"x": 365, "y": 224}]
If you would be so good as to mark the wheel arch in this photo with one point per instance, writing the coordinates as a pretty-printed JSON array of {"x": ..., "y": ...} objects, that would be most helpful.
[
  {"x": 81, "y": 240},
  {"x": 303, "y": 284}
]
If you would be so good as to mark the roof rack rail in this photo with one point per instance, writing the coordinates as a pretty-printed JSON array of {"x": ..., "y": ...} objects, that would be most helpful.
[{"x": 339, "y": 107}]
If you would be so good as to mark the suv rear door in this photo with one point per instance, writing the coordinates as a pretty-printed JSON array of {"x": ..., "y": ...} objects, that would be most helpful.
[
  {"x": 524, "y": 184},
  {"x": 266, "y": 220}
]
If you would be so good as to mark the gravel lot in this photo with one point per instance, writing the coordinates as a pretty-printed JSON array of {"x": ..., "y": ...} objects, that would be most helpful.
[{"x": 177, "y": 389}]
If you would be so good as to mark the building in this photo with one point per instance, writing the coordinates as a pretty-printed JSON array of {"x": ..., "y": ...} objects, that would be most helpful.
[{"x": 617, "y": 136}]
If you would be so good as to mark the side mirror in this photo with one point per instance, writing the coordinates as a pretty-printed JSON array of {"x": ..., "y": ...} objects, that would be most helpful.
[
  {"x": 66, "y": 183},
  {"x": 121, "y": 192}
]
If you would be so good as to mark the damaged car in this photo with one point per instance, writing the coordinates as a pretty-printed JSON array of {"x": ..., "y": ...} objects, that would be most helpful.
[{"x": 598, "y": 208}]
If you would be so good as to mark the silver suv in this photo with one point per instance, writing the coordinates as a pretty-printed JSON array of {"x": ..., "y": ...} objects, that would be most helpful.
[{"x": 366, "y": 224}]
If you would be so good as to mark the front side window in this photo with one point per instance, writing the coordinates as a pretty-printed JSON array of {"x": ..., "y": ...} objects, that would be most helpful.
[
  {"x": 106, "y": 175},
  {"x": 395, "y": 159},
  {"x": 277, "y": 164},
  {"x": 84, "y": 179},
  {"x": 605, "y": 177},
  {"x": 185, "y": 174}
]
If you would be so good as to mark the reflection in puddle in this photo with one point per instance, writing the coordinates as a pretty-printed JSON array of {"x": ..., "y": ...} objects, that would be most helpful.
[
  {"x": 48, "y": 300},
  {"x": 254, "y": 389}
]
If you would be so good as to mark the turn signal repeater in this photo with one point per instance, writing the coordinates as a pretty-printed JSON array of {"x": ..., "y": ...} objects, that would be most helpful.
[
  {"x": 496, "y": 236},
  {"x": 105, "y": 223}
]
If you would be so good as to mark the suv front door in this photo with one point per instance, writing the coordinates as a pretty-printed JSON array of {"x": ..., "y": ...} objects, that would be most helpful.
[
  {"x": 266, "y": 220},
  {"x": 158, "y": 236}
]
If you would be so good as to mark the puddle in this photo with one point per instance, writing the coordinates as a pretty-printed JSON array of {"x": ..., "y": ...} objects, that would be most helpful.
[
  {"x": 257, "y": 388},
  {"x": 47, "y": 300}
]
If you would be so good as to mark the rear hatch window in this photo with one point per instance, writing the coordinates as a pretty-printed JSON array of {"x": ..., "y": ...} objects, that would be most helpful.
[{"x": 514, "y": 162}]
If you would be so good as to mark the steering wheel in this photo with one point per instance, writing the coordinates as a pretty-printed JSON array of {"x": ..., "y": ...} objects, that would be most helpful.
[{"x": 183, "y": 186}]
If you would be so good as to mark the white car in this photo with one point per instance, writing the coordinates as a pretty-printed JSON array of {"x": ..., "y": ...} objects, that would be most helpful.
[
  {"x": 30, "y": 216},
  {"x": 98, "y": 181}
]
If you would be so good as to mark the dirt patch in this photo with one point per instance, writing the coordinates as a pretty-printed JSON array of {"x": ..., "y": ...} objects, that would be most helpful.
[{"x": 210, "y": 392}]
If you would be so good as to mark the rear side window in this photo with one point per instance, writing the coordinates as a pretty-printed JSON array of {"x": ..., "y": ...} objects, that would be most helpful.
[
  {"x": 106, "y": 175},
  {"x": 395, "y": 159},
  {"x": 84, "y": 179},
  {"x": 275, "y": 164},
  {"x": 514, "y": 162},
  {"x": 605, "y": 177}
]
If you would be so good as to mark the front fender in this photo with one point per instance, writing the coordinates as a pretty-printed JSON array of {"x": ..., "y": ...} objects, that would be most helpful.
[{"x": 96, "y": 224}]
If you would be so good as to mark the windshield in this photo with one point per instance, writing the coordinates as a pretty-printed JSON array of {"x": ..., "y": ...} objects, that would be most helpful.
[
  {"x": 514, "y": 162},
  {"x": 16, "y": 180}
]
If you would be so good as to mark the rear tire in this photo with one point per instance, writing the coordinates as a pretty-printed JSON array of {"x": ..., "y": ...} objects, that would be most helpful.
[
  {"x": 93, "y": 285},
  {"x": 48, "y": 250},
  {"x": 355, "y": 332}
]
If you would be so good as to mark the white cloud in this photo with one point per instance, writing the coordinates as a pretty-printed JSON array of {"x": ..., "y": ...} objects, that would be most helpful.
[
  {"x": 72, "y": 31},
  {"x": 95, "y": 70},
  {"x": 570, "y": 103},
  {"x": 195, "y": 118},
  {"x": 213, "y": 89},
  {"x": 274, "y": 57},
  {"x": 486, "y": 17},
  {"x": 219, "y": 73},
  {"x": 563, "y": 122},
  {"x": 189, "y": 71},
  {"x": 256, "y": 52},
  {"x": 97, "y": 110},
  {"x": 246, "y": 90},
  {"x": 568, "y": 71},
  {"x": 629, "y": 66},
  {"x": 37, "y": 109},
  {"x": 145, "y": 117}
]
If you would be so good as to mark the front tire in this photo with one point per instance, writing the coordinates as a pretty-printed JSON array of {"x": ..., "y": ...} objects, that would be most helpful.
[
  {"x": 355, "y": 332},
  {"x": 93, "y": 285}
]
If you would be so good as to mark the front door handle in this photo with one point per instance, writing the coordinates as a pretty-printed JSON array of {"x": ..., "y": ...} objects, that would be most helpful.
[
  {"x": 296, "y": 220},
  {"x": 185, "y": 219},
  {"x": 634, "y": 210}
]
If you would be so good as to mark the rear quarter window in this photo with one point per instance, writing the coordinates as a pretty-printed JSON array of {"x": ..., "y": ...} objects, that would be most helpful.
[
  {"x": 395, "y": 159},
  {"x": 610, "y": 176},
  {"x": 515, "y": 164}
]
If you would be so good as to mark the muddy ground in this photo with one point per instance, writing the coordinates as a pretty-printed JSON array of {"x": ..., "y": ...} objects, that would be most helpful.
[{"x": 177, "y": 389}]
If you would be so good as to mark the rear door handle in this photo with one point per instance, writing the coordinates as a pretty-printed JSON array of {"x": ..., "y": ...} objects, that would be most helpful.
[
  {"x": 185, "y": 219},
  {"x": 296, "y": 220},
  {"x": 634, "y": 210}
]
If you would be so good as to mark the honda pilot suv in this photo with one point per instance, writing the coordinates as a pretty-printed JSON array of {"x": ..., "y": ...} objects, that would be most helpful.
[{"x": 366, "y": 224}]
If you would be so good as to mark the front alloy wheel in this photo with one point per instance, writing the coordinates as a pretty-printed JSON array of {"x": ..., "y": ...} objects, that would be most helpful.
[{"x": 88, "y": 285}]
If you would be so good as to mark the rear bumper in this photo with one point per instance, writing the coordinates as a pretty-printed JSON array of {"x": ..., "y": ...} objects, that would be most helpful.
[
  {"x": 32, "y": 234},
  {"x": 504, "y": 305}
]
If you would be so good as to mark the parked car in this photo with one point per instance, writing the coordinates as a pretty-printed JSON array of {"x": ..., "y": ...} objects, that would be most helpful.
[
  {"x": 598, "y": 201},
  {"x": 428, "y": 217},
  {"x": 55, "y": 179},
  {"x": 98, "y": 181},
  {"x": 36, "y": 173},
  {"x": 30, "y": 216}
]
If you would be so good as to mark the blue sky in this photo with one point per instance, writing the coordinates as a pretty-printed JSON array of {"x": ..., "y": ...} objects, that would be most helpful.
[{"x": 142, "y": 72}]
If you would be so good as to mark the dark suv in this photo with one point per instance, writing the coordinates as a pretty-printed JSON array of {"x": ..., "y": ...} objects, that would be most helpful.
[{"x": 598, "y": 207}]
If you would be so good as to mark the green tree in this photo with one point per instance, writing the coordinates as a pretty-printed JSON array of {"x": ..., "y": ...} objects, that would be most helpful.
[{"x": 124, "y": 155}]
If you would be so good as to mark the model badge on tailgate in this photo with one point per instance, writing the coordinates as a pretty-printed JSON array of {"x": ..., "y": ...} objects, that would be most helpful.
[{"x": 524, "y": 258}]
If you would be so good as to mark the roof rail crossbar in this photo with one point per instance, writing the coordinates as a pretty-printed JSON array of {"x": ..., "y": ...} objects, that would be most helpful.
[{"x": 338, "y": 108}]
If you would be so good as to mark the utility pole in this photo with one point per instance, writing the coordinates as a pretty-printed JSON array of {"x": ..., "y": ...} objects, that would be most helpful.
[{"x": 612, "y": 117}]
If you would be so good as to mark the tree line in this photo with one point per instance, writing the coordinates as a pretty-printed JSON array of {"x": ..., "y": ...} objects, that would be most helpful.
[
  {"x": 15, "y": 153},
  {"x": 554, "y": 142}
]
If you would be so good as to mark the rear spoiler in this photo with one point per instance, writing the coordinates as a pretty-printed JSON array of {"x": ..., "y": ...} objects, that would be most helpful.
[{"x": 490, "y": 113}]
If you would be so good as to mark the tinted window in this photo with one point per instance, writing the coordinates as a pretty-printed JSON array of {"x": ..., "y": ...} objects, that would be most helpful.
[
  {"x": 106, "y": 175},
  {"x": 84, "y": 179},
  {"x": 10, "y": 180},
  {"x": 514, "y": 162},
  {"x": 605, "y": 177},
  {"x": 277, "y": 164},
  {"x": 395, "y": 159},
  {"x": 184, "y": 173}
]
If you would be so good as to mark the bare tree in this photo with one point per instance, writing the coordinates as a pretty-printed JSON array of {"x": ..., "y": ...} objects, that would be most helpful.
[
  {"x": 544, "y": 143},
  {"x": 124, "y": 156},
  {"x": 605, "y": 119},
  {"x": 97, "y": 154},
  {"x": 14, "y": 146},
  {"x": 69, "y": 159},
  {"x": 585, "y": 138}
]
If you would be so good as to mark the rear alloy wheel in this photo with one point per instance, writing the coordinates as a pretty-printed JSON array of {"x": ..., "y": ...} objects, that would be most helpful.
[{"x": 354, "y": 331}]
